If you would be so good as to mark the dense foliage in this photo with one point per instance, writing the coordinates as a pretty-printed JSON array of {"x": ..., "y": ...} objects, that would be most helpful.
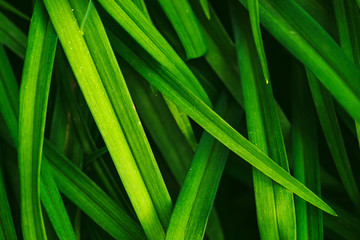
[{"x": 179, "y": 119}]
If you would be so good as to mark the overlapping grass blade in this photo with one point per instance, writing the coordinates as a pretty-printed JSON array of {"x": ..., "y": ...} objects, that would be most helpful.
[
  {"x": 331, "y": 129},
  {"x": 34, "y": 92},
  {"x": 222, "y": 58},
  {"x": 141, "y": 29},
  {"x": 142, "y": 6},
  {"x": 310, "y": 43},
  {"x": 7, "y": 228},
  {"x": 10, "y": 8},
  {"x": 104, "y": 89},
  {"x": 197, "y": 195},
  {"x": 186, "y": 26},
  {"x": 11, "y": 36},
  {"x": 253, "y": 6},
  {"x": 50, "y": 196},
  {"x": 347, "y": 18},
  {"x": 216, "y": 126},
  {"x": 306, "y": 157},
  {"x": 54, "y": 205},
  {"x": 158, "y": 120},
  {"x": 274, "y": 204},
  {"x": 90, "y": 198}
]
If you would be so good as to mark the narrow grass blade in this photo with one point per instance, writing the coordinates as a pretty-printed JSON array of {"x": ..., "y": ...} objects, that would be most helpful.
[
  {"x": 90, "y": 198},
  {"x": 7, "y": 228},
  {"x": 274, "y": 204},
  {"x": 54, "y": 205},
  {"x": 306, "y": 157},
  {"x": 310, "y": 43},
  {"x": 34, "y": 93},
  {"x": 197, "y": 195},
  {"x": 13, "y": 10},
  {"x": 142, "y": 30},
  {"x": 12, "y": 37},
  {"x": 10, "y": 95},
  {"x": 331, "y": 129},
  {"x": 104, "y": 89},
  {"x": 142, "y": 6},
  {"x": 186, "y": 26},
  {"x": 222, "y": 58},
  {"x": 183, "y": 122},
  {"x": 216, "y": 126},
  {"x": 205, "y": 7},
  {"x": 348, "y": 22},
  {"x": 253, "y": 6}
]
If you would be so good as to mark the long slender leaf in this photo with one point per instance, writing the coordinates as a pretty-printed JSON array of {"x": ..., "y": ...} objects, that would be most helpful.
[
  {"x": 253, "y": 6},
  {"x": 331, "y": 129},
  {"x": 274, "y": 204},
  {"x": 90, "y": 198},
  {"x": 349, "y": 34},
  {"x": 197, "y": 195},
  {"x": 216, "y": 126},
  {"x": 186, "y": 26},
  {"x": 306, "y": 158},
  {"x": 310, "y": 43},
  {"x": 12, "y": 9},
  {"x": 109, "y": 102},
  {"x": 142, "y": 30},
  {"x": 34, "y": 92},
  {"x": 11, "y": 36}
]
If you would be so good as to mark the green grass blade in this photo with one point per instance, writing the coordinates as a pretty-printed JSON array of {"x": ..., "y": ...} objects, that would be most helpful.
[
  {"x": 113, "y": 111},
  {"x": 306, "y": 158},
  {"x": 186, "y": 26},
  {"x": 331, "y": 129},
  {"x": 34, "y": 92},
  {"x": 10, "y": 8},
  {"x": 347, "y": 18},
  {"x": 142, "y": 30},
  {"x": 311, "y": 44},
  {"x": 12, "y": 37},
  {"x": 197, "y": 195},
  {"x": 205, "y": 8},
  {"x": 142, "y": 6},
  {"x": 9, "y": 91},
  {"x": 274, "y": 204},
  {"x": 90, "y": 198},
  {"x": 54, "y": 205},
  {"x": 7, "y": 228},
  {"x": 216, "y": 126},
  {"x": 253, "y": 6}
]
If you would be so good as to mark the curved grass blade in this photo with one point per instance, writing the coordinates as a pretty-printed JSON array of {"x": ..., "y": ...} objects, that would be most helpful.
[
  {"x": 253, "y": 6},
  {"x": 10, "y": 8},
  {"x": 186, "y": 26},
  {"x": 274, "y": 204},
  {"x": 34, "y": 91},
  {"x": 12, "y": 37},
  {"x": 306, "y": 158},
  {"x": 7, "y": 228},
  {"x": 331, "y": 129},
  {"x": 141, "y": 29},
  {"x": 216, "y": 126},
  {"x": 197, "y": 195},
  {"x": 312, "y": 45},
  {"x": 90, "y": 198},
  {"x": 9, "y": 92},
  {"x": 104, "y": 89}
]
